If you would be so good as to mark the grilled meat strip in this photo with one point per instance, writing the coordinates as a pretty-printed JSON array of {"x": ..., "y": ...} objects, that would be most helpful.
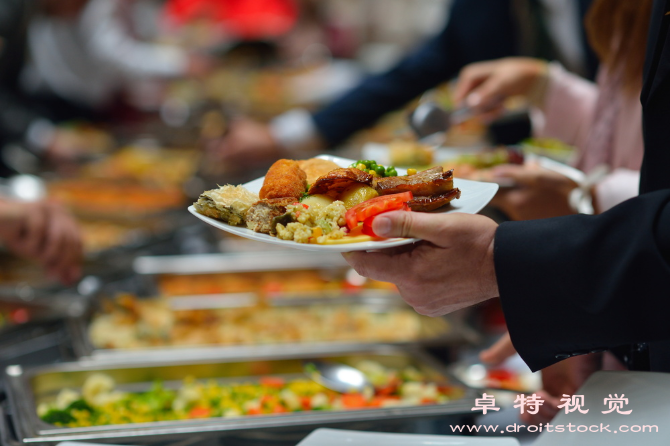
[
  {"x": 426, "y": 204},
  {"x": 337, "y": 180},
  {"x": 426, "y": 183}
]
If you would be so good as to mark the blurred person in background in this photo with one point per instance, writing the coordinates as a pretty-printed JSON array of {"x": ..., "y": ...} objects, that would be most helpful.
[
  {"x": 603, "y": 120},
  {"x": 43, "y": 231},
  {"x": 66, "y": 60},
  {"x": 476, "y": 30}
]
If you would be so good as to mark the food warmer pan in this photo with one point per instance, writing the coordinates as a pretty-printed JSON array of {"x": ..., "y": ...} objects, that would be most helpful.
[{"x": 29, "y": 387}]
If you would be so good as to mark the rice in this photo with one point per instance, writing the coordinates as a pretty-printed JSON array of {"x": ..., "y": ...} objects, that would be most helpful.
[{"x": 307, "y": 218}]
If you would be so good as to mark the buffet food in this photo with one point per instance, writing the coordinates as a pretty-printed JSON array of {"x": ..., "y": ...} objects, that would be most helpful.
[
  {"x": 271, "y": 284},
  {"x": 331, "y": 205},
  {"x": 99, "y": 403},
  {"x": 156, "y": 166},
  {"x": 131, "y": 323},
  {"x": 114, "y": 198}
]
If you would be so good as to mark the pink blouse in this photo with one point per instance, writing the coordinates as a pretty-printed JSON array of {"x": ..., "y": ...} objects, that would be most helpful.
[{"x": 568, "y": 114}]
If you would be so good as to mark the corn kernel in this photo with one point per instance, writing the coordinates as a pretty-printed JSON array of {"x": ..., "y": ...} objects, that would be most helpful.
[
  {"x": 361, "y": 166},
  {"x": 373, "y": 173},
  {"x": 411, "y": 171}
]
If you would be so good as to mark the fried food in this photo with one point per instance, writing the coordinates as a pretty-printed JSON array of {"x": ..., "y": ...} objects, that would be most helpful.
[
  {"x": 285, "y": 179},
  {"x": 316, "y": 167},
  {"x": 426, "y": 183},
  {"x": 427, "y": 204},
  {"x": 337, "y": 180},
  {"x": 260, "y": 215},
  {"x": 227, "y": 203}
]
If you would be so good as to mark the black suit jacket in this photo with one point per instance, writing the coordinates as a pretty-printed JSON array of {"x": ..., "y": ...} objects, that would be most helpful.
[
  {"x": 579, "y": 284},
  {"x": 477, "y": 30}
]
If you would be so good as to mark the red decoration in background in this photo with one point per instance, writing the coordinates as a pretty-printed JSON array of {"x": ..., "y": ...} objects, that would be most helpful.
[{"x": 244, "y": 19}]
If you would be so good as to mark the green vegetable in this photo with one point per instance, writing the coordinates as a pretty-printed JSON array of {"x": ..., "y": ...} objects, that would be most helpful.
[
  {"x": 283, "y": 219},
  {"x": 58, "y": 417},
  {"x": 380, "y": 171},
  {"x": 391, "y": 172},
  {"x": 310, "y": 368},
  {"x": 80, "y": 404},
  {"x": 323, "y": 224}
]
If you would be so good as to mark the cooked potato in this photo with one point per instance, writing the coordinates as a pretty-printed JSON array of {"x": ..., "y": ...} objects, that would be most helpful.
[
  {"x": 357, "y": 193},
  {"x": 318, "y": 200}
]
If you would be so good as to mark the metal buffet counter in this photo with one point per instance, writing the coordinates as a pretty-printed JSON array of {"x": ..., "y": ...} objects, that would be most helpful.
[{"x": 167, "y": 304}]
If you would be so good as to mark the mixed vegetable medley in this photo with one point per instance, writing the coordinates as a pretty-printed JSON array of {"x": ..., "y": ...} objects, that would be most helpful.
[{"x": 99, "y": 403}]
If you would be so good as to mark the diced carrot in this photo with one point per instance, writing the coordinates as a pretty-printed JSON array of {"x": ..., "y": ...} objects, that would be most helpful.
[
  {"x": 353, "y": 400},
  {"x": 428, "y": 401},
  {"x": 254, "y": 411},
  {"x": 306, "y": 402},
  {"x": 279, "y": 409},
  {"x": 200, "y": 412},
  {"x": 355, "y": 232}
]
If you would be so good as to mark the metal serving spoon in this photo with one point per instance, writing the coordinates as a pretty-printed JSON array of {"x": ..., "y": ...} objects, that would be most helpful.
[{"x": 338, "y": 377}]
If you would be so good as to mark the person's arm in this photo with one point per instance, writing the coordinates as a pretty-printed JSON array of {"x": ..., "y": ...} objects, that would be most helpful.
[
  {"x": 578, "y": 284},
  {"x": 111, "y": 43},
  {"x": 566, "y": 110},
  {"x": 468, "y": 36},
  {"x": 568, "y": 285}
]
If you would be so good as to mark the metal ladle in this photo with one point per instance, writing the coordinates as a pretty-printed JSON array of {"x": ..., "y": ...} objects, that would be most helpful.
[{"x": 335, "y": 376}]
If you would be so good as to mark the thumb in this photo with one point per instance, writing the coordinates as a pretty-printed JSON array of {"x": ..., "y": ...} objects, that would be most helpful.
[
  {"x": 498, "y": 352},
  {"x": 420, "y": 225}
]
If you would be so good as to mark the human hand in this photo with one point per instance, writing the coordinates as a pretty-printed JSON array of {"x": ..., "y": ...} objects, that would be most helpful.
[
  {"x": 540, "y": 193},
  {"x": 562, "y": 378},
  {"x": 247, "y": 144},
  {"x": 43, "y": 231},
  {"x": 482, "y": 85},
  {"x": 451, "y": 268}
]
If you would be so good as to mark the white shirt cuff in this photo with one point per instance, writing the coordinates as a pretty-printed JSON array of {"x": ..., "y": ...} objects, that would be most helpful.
[{"x": 295, "y": 130}]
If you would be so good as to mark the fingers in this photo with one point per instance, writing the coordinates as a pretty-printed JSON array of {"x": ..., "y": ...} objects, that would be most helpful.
[
  {"x": 62, "y": 255},
  {"x": 50, "y": 236},
  {"x": 498, "y": 352},
  {"x": 380, "y": 266},
  {"x": 521, "y": 175},
  {"x": 33, "y": 234},
  {"x": 471, "y": 77}
]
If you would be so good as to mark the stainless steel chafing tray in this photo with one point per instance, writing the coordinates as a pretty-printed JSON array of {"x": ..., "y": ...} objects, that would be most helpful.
[
  {"x": 27, "y": 388},
  {"x": 449, "y": 330}
]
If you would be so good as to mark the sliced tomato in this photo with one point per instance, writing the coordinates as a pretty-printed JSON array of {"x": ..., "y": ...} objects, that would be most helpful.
[
  {"x": 376, "y": 206},
  {"x": 367, "y": 224}
]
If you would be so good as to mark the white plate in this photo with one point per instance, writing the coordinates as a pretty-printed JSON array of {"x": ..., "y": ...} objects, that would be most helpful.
[
  {"x": 336, "y": 437},
  {"x": 474, "y": 196}
]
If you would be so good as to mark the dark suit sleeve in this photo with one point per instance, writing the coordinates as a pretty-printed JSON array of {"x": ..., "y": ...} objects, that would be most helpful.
[
  {"x": 16, "y": 112},
  {"x": 470, "y": 35},
  {"x": 577, "y": 284}
]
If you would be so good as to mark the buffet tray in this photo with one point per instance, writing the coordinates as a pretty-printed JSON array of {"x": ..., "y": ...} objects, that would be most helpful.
[
  {"x": 28, "y": 387},
  {"x": 448, "y": 330}
]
